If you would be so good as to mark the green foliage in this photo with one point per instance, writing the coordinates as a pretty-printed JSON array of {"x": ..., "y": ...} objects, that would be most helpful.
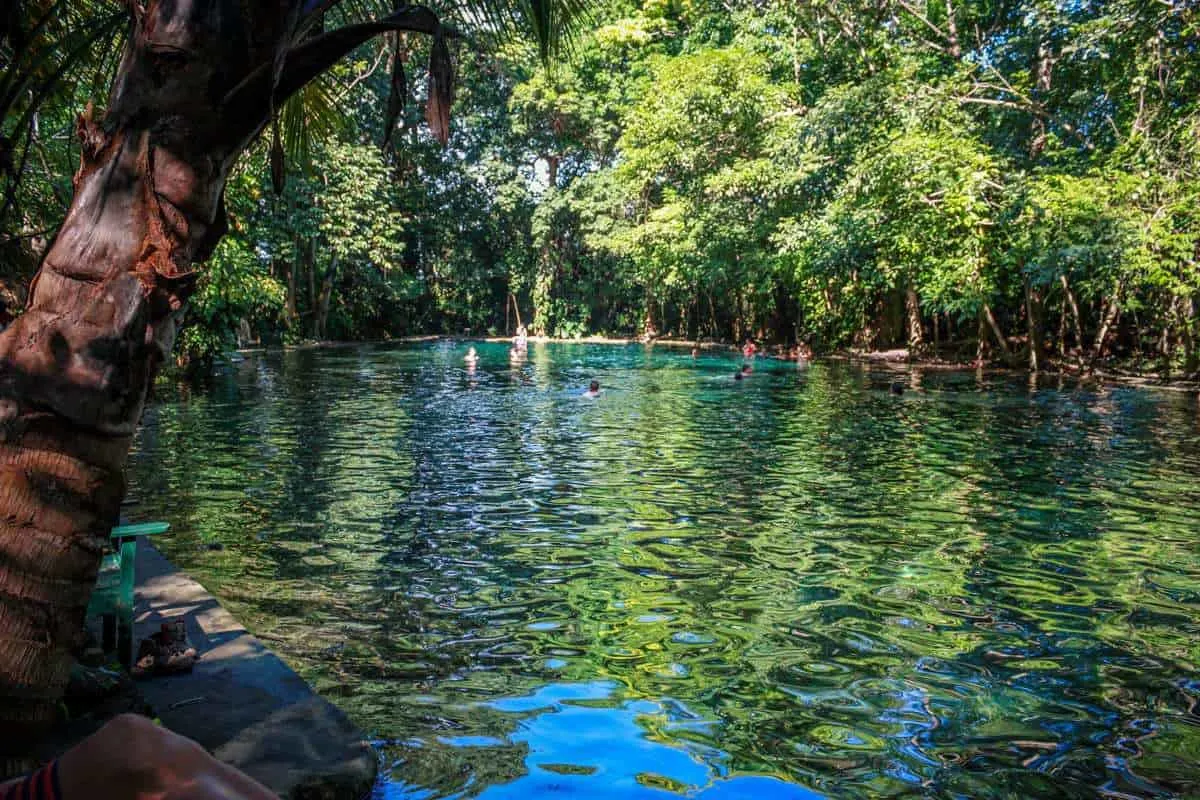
[
  {"x": 847, "y": 173},
  {"x": 234, "y": 287}
]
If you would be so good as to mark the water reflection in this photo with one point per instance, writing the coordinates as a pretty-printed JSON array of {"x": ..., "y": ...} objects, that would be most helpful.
[
  {"x": 579, "y": 739},
  {"x": 795, "y": 583}
]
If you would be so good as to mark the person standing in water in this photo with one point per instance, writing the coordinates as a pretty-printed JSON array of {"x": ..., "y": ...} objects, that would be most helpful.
[
  {"x": 471, "y": 358},
  {"x": 521, "y": 340},
  {"x": 593, "y": 389}
]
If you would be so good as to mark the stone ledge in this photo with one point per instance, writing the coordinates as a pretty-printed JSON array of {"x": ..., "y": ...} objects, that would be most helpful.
[{"x": 241, "y": 702}]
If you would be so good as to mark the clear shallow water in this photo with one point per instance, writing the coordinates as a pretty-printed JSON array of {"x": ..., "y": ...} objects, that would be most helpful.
[{"x": 789, "y": 587}]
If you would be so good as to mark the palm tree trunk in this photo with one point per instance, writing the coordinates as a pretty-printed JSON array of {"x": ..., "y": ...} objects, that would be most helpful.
[{"x": 192, "y": 90}]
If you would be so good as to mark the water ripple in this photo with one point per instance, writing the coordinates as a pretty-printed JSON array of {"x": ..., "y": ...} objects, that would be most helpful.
[{"x": 794, "y": 586}]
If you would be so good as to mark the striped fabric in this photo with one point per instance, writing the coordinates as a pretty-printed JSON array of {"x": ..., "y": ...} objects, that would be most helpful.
[{"x": 40, "y": 785}]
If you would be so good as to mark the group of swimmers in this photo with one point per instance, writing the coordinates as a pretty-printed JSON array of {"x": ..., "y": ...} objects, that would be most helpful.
[
  {"x": 518, "y": 352},
  {"x": 800, "y": 353},
  {"x": 520, "y": 349}
]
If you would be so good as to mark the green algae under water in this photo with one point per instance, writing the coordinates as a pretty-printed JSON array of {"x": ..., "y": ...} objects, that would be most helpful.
[{"x": 796, "y": 585}]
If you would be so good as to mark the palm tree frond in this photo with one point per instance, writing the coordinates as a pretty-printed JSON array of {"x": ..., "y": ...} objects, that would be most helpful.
[
  {"x": 309, "y": 116},
  {"x": 550, "y": 25}
]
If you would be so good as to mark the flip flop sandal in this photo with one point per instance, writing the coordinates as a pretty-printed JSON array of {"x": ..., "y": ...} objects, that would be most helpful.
[
  {"x": 175, "y": 652},
  {"x": 166, "y": 652}
]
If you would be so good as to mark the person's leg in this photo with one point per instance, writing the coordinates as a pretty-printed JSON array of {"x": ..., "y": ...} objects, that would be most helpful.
[{"x": 131, "y": 758}]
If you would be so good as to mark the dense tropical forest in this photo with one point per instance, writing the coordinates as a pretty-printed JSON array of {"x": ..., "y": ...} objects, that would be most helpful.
[{"x": 1006, "y": 179}]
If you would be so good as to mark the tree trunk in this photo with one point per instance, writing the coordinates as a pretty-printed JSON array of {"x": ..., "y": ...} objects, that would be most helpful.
[
  {"x": 650, "y": 320},
  {"x": 1042, "y": 69},
  {"x": 1062, "y": 329},
  {"x": 1035, "y": 314},
  {"x": 1187, "y": 314},
  {"x": 193, "y": 88},
  {"x": 981, "y": 340},
  {"x": 990, "y": 318},
  {"x": 516, "y": 310},
  {"x": 1107, "y": 320},
  {"x": 290, "y": 311},
  {"x": 916, "y": 333},
  {"x": 310, "y": 261},
  {"x": 1077, "y": 319},
  {"x": 321, "y": 312}
]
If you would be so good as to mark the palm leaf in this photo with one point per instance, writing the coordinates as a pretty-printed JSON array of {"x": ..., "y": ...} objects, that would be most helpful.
[
  {"x": 549, "y": 24},
  {"x": 311, "y": 115},
  {"x": 42, "y": 65}
]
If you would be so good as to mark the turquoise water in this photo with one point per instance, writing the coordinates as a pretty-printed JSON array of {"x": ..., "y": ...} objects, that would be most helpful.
[{"x": 793, "y": 586}]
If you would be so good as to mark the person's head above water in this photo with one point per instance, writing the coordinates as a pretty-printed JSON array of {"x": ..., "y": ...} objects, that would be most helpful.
[
  {"x": 747, "y": 369},
  {"x": 594, "y": 386},
  {"x": 470, "y": 352},
  {"x": 897, "y": 388},
  {"x": 695, "y": 352},
  {"x": 737, "y": 376}
]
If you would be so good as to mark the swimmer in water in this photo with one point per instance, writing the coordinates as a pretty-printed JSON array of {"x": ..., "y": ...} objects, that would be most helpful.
[
  {"x": 746, "y": 370},
  {"x": 593, "y": 389},
  {"x": 695, "y": 353},
  {"x": 471, "y": 358},
  {"x": 897, "y": 388}
]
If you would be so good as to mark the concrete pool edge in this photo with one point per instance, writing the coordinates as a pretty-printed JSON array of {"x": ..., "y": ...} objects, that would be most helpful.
[{"x": 241, "y": 702}]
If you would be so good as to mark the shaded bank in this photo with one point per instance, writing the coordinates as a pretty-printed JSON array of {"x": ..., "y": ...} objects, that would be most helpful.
[{"x": 241, "y": 702}]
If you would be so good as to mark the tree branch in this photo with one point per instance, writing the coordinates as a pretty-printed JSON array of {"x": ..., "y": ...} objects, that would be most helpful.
[
  {"x": 246, "y": 106},
  {"x": 911, "y": 10}
]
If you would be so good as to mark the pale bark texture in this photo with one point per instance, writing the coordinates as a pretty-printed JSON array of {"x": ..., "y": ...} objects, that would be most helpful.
[
  {"x": 1001, "y": 341},
  {"x": 916, "y": 331},
  {"x": 196, "y": 83},
  {"x": 1076, "y": 318},
  {"x": 1108, "y": 318}
]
